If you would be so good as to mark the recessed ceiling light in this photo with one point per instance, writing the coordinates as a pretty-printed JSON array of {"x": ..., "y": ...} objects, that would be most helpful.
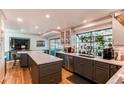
[
  {"x": 85, "y": 21},
  {"x": 58, "y": 27},
  {"x": 36, "y": 27},
  {"x": 47, "y": 16},
  {"x": 19, "y": 19}
]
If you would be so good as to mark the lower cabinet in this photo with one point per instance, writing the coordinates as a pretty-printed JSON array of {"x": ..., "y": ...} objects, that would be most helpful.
[
  {"x": 104, "y": 71},
  {"x": 114, "y": 69},
  {"x": 24, "y": 60},
  {"x": 84, "y": 67},
  {"x": 101, "y": 72},
  {"x": 98, "y": 72},
  {"x": 49, "y": 73},
  {"x": 34, "y": 70},
  {"x": 60, "y": 55},
  {"x": 53, "y": 78}
]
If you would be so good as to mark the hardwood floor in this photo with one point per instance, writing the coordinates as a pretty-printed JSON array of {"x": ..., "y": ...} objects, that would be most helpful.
[{"x": 18, "y": 75}]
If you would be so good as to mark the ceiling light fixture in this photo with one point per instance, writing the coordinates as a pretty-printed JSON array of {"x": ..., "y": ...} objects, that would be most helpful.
[
  {"x": 36, "y": 27},
  {"x": 85, "y": 21},
  {"x": 19, "y": 19},
  {"x": 47, "y": 16},
  {"x": 58, "y": 27}
]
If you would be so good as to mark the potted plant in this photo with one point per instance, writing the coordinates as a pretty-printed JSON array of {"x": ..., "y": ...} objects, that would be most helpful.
[
  {"x": 101, "y": 44},
  {"x": 89, "y": 38},
  {"x": 83, "y": 38}
]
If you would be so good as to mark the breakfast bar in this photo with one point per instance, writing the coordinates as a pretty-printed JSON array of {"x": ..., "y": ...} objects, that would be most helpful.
[{"x": 44, "y": 68}]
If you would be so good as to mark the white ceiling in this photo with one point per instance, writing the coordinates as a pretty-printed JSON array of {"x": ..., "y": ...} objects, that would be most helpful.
[{"x": 59, "y": 17}]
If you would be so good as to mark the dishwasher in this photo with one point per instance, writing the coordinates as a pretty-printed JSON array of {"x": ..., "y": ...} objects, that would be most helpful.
[{"x": 69, "y": 63}]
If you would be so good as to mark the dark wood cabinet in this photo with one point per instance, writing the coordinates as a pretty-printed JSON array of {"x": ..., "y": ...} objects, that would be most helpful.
[
  {"x": 114, "y": 69},
  {"x": 101, "y": 72},
  {"x": 84, "y": 67},
  {"x": 53, "y": 78},
  {"x": 34, "y": 70},
  {"x": 60, "y": 55},
  {"x": 24, "y": 60},
  {"x": 96, "y": 71},
  {"x": 49, "y": 73}
]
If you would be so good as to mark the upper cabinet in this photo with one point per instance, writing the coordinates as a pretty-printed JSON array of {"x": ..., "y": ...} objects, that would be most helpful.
[
  {"x": 66, "y": 37},
  {"x": 118, "y": 30}
]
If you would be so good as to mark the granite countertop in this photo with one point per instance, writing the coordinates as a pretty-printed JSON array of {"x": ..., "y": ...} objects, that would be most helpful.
[
  {"x": 115, "y": 77},
  {"x": 40, "y": 58}
]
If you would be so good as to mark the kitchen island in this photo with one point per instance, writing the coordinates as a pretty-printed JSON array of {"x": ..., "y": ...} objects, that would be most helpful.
[{"x": 44, "y": 68}]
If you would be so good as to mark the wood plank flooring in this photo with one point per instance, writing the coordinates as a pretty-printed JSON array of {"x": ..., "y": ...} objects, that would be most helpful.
[{"x": 18, "y": 75}]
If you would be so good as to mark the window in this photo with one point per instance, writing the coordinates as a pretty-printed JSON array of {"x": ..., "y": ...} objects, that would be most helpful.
[
  {"x": 94, "y": 42},
  {"x": 55, "y": 45}
]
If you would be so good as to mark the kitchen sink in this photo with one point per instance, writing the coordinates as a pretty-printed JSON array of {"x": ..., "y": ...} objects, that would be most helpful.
[{"x": 89, "y": 56}]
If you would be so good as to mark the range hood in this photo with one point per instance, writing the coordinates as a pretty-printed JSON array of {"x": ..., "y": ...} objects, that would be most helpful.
[{"x": 120, "y": 19}]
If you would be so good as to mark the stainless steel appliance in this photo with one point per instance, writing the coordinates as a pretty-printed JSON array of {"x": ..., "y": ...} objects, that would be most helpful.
[{"x": 69, "y": 63}]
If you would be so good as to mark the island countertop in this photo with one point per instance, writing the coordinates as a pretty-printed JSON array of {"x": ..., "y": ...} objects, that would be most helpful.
[{"x": 41, "y": 58}]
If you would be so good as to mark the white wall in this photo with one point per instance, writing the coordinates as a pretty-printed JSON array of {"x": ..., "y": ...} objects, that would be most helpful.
[
  {"x": 33, "y": 38},
  {"x": 118, "y": 33},
  {"x": 96, "y": 27}
]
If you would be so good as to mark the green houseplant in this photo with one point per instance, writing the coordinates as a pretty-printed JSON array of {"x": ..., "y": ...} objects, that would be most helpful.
[
  {"x": 85, "y": 38},
  {"x": 82, "y": 38},
  {"x": 101, "y": 44}
]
